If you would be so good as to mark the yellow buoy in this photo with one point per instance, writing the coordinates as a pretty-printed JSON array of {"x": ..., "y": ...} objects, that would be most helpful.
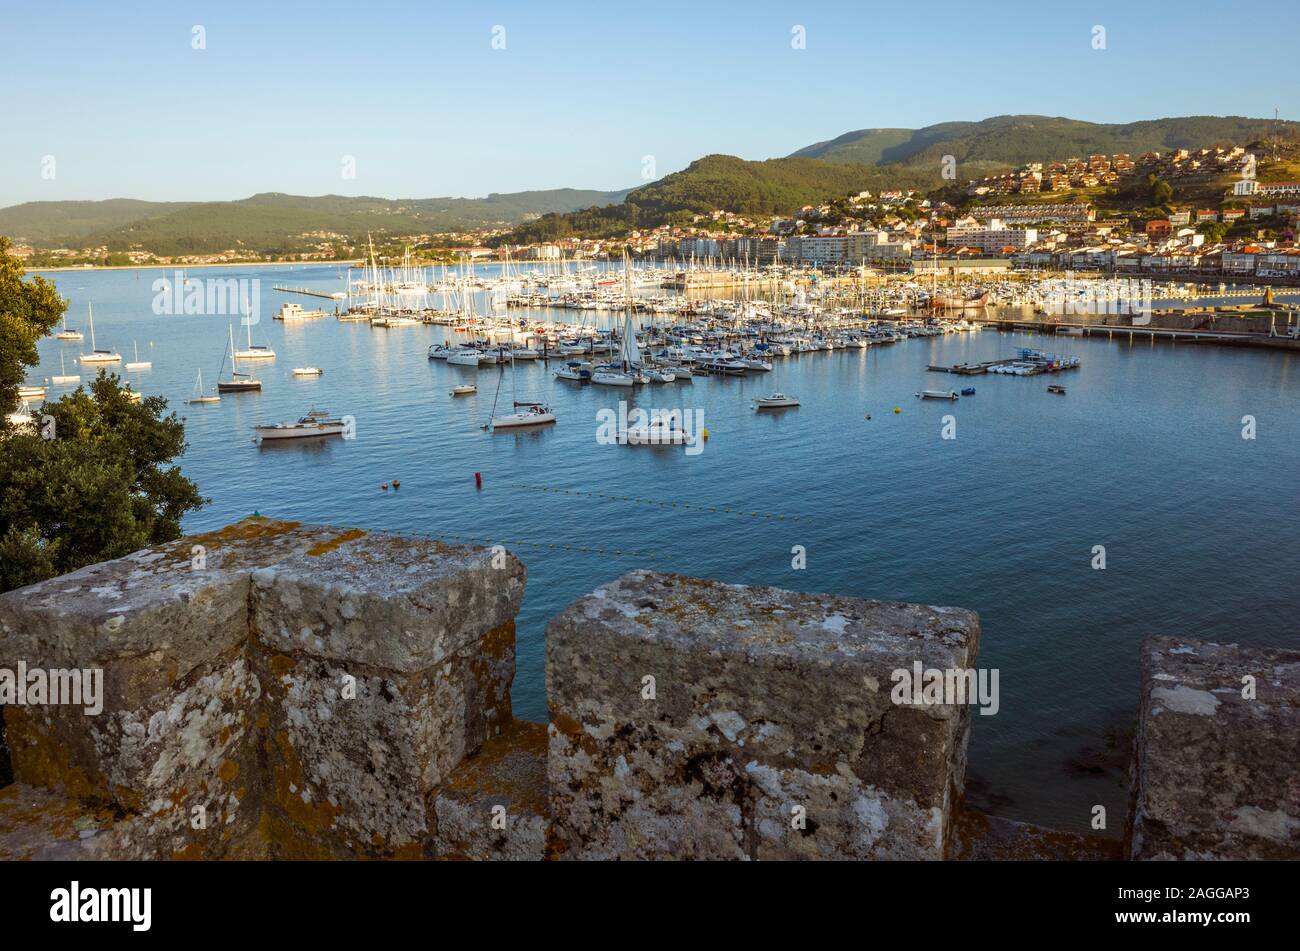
[
  {"x": 897, "y": 410},
  {"x": 704, "y": 433}
]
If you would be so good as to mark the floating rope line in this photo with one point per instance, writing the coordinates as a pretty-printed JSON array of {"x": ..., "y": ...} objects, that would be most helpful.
[
  {"x": 661, "y": 503},
  {"x": 510, "y": 543}
]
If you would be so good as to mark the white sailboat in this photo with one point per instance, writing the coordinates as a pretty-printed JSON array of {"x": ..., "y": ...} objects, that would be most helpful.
[
  {"x": 65, "y": 333},
  {"x": 238, "y": 382},
  {"x": 254, "y": 351},
  {"x": 96, "y": 355},
  {"x": 137, "y": 363},
  {"x": 64, "y": 377},
  {"x": 201, "y": 397},
  {"x": 525, "y": 414}
]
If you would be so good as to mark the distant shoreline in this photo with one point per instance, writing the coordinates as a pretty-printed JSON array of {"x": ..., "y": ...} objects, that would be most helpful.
[{"x": 185, "y": 267}]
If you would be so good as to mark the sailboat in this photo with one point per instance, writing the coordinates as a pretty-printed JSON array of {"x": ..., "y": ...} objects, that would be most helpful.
[
  {"x": 96, "y": 355},
  {"x": 254, "y": 351},
  {"x": 525, "y": 414},
  {"x": 64, "y": 376},
  {"x": 238, "y": 382},
  {"x": 201, "y": 397},
  {"x": 139, "y": 364},
  {"x": 65, "y": 333},
  {"x": 625, "y": 375}
]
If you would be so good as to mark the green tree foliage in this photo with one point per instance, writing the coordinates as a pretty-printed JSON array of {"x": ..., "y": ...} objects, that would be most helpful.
[
  {"x": 28, "y": 311},
  {"x": 92, "y": 483},
  {"x": 91, "y": 479}
]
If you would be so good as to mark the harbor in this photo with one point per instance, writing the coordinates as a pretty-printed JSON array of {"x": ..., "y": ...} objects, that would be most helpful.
[{"x": 1001, "y": 518}]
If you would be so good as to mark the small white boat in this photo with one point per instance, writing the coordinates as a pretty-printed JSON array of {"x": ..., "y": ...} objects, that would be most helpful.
[
  {"x": 22, "y": 417},
  {"x": 658, "y": 432},
  {"x": 937, "y": 395},
  {"x": 532, "y": 414},
  {"x": 133, "y": 395},
  {"x": 201, "y": 397},
  {"x": 315, "y": 424},
  {"x": 465, "y": 389},
  {"x": 525, "y": 353},
  {"x": 307, "y": 371},
  {"x": 465, "y": 357},
  {"x": 775, "y": 401},
  {"x": 574, "y": 370},
  {"x": 137, "y": 363},
  {"x": 30, "y": 392}
]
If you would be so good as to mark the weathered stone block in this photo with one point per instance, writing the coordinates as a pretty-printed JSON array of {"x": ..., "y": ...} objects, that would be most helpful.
[
  {"x": 229, "y": 728},
  {"x": 351, "y": 776},
  {"x": 494, "y": 805},
  {"x": 1215, "y": 772},
  {"x": 385, "y": 601},
  {"x": 762, "y": 702},
  {"x": 421, "y": 634}
]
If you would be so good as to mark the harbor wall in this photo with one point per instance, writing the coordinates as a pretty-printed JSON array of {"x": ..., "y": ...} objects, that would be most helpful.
[{"x": 280, "y": 690}]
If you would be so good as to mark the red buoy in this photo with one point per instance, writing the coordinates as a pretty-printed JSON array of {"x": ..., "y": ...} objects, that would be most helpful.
[{"x": 478, "y": 480}]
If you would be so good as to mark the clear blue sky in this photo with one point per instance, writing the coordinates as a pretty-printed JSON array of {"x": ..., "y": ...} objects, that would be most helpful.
[{"x": 582, "y": 91}]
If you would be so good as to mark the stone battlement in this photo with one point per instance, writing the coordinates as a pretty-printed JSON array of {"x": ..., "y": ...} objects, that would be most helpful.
[{"x": 278, "y": 690}]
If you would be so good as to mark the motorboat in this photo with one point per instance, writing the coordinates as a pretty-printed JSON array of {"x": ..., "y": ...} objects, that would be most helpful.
[
  {"x": 307, "y": 371},
  {"x": 29, "y": 392},
  {"x": 659, "y": 431},
  {"x": 465, "y": 357},
  {"x": 1057, "y": 389},
  {"x": 937, "y": 395},
  {"x": 292, "y": 311},
  {"x": 776, "y": 401},
  {"x": 315, "y": 424},
  {"x": 465, "y": 389},
  {"x": 574, "y": 370}
]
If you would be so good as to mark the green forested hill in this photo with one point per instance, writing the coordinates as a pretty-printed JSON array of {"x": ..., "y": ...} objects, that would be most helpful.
[
  {"x": 50, "y": 224},
  {"x": 272, "y": 222},
  {"x": 1015, "y": 140},
  {"x": 724, "y": 182}
]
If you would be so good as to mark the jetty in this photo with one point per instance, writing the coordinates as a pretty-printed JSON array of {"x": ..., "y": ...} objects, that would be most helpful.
[{"x": 337, "y": 295}]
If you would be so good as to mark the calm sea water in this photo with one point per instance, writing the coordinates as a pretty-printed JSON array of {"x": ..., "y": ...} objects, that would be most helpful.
[{"x": 1144, "y": 456}]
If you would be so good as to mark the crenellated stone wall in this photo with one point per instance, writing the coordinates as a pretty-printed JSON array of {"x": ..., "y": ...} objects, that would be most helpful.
[{"x": 279, "y": 690}]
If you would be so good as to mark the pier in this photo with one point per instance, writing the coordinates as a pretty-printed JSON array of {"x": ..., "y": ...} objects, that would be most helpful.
[{"x": 339, "y": 295}]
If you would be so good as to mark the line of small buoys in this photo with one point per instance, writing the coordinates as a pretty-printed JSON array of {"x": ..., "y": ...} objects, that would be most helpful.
[
  {"x": 661, "y": 503},
  {"x": 551, "y": 546}
]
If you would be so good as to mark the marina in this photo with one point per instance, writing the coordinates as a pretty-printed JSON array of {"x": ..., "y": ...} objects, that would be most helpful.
[{"x": 859, "y": 469}]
